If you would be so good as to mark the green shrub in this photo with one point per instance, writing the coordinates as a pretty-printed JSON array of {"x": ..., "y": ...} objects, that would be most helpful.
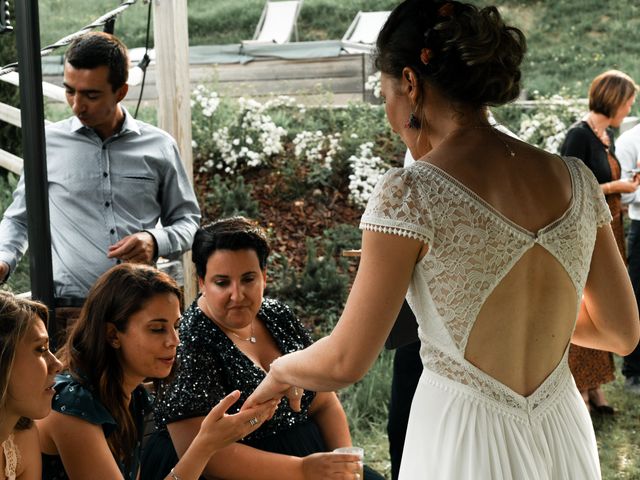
[
  {"x": 342, "y": 237},
  {"x": 227, "y": 197},
  {"x": 19, "y": 280},
  {"x": 10, "y": 136}
]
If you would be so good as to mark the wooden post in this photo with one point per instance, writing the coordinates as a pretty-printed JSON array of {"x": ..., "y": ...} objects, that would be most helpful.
[{"x": 171, "y": 42}]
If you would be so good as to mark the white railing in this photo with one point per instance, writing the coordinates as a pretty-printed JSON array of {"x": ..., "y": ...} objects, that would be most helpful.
[{"x": 11, "y": 115}]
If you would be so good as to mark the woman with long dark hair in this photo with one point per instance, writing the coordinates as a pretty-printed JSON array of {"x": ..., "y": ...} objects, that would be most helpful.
[{"x": 126, "y": 333}]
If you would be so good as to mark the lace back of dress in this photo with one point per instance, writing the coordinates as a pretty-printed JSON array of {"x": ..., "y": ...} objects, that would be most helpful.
[{"x": 11, "y": 458}]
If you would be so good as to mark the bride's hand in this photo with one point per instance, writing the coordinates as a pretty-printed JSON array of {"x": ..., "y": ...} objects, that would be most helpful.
[{"x": 270, "y": 389}]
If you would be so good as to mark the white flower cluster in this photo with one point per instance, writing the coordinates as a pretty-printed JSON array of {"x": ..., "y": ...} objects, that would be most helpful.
[
  {"x": 367, "y": 170},
  {"x": 373, "y": 84},
  {"x": 279, "y": 102},
  {"x": 249, "y": 144},
  {"x": 206, "y": 100},
  {"x": 547, "y": 127},
  {"x": 315, "y": 147},
  {"x": 543, "y": 130}
]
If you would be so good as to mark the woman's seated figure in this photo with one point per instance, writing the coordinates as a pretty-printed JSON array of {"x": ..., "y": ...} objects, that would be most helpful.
[
  {"x": 230, "y": 335},
  {"x": 126, "y": 333},
  {"x": 27, "y": 370}
]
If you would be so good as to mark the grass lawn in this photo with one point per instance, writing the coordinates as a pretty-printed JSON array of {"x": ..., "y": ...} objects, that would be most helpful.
[
  {"x": 618, "y": 437},
  {"x": 570, "y": 41}
]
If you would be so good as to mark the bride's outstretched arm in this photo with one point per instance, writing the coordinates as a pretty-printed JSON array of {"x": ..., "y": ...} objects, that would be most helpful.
[{"x": 344, "y": 357}]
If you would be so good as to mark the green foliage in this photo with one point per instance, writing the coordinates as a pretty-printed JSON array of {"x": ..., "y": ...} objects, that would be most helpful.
[
  {"x": 366, "y": 405},
  {"x": 8, "y": 183},
  {"x": 617, "y": 438},
  {"x": 227, "y": 197},
  {"x": 19, "y": 280},
  {"x": 10, "y": 136},
  {"x": 569, "y": 41},
  {"x": 544, "y": 124},
  {"x": 322, "y": 283},
  {"x": 342, "y": 237}
]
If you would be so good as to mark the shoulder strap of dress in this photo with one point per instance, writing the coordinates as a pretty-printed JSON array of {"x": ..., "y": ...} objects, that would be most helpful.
[{"x": 11, "y": 458}]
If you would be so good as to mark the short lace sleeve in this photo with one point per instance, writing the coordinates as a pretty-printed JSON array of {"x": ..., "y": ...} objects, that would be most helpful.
[
  {"x": 594, "y": 194},
  {"x": 398, "y": 206},
  {"x": 11, "y": 458}
]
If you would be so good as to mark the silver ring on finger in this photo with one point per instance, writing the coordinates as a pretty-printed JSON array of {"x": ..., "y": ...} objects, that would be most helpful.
[{"x": 254, "y": 421}]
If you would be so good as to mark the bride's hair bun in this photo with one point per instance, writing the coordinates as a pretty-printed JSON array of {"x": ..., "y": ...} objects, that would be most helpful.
[{"x": 468, "y": 53}]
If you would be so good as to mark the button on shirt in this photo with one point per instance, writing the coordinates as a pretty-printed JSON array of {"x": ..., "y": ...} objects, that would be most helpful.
[{"x": 102, "y": 191}]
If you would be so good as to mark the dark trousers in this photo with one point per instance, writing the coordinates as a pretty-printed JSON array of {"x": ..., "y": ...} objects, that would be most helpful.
[
  {"x": 407, "y": 368},
  {"x": 631, "y": 365}
]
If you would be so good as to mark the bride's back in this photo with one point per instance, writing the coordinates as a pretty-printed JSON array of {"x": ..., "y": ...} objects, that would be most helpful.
[{"x": 525, "y": 324}]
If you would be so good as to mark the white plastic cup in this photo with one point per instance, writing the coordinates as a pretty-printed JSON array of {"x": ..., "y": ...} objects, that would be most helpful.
[{"x": 359, "y": 451}]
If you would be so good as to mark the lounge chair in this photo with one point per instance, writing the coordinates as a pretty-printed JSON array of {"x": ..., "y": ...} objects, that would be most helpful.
[
  {"x": 277, "y": 22},
  {"x": 363, "y": 31}
]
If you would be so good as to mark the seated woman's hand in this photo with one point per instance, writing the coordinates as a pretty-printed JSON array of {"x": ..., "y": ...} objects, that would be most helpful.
[
  {"x": 219, "y": 429},
  {"x": 323, "y": 465},
  {"x": 270, "y": 389}
]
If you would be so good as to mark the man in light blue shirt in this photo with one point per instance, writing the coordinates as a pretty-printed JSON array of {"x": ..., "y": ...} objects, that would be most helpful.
[
  {"x": 111, "y": 178},
  {"x": 628, "y": 154}
]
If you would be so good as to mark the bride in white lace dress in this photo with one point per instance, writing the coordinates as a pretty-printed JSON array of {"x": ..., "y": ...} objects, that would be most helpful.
[{"x": 504, "y": 252}]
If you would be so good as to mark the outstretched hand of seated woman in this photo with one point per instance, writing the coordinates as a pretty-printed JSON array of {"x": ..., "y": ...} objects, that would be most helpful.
[
  {"x": 219, "y": 429},
  {"x": 271, "y": 389}
]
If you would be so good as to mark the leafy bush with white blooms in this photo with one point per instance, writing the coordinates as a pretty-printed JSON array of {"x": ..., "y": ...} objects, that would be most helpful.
[
  {"x": 317, "y": 147},
  {"x": 367, "y": 170},
  {"x": 545, "y": 122},
  {"x": 373, "y": 84},
  {"x": 242, "y": 137}
]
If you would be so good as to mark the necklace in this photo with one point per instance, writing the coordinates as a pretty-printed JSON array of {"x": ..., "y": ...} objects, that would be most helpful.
[
  {"x": 251, "y": 338},
  {"x": 602, "y": 135}
]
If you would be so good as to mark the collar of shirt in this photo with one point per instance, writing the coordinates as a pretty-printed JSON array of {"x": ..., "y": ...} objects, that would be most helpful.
[{"x": 129, "y": 125}]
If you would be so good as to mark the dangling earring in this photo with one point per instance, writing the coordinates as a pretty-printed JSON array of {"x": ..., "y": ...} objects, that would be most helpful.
[{"x": 413, "y": 122}]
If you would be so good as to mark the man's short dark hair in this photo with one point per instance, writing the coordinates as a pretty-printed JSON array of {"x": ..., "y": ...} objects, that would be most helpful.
[{"x": 96, "y": 49}]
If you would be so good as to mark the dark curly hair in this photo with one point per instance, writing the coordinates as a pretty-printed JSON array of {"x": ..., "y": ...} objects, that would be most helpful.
[{"x": 473, "y": 57}]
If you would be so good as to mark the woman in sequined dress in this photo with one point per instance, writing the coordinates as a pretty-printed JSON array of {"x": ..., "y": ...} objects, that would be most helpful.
[
  {"x": 27, "y": 370},
  {"x": 127, "y": 332},
  {"x": 611, "y": 96},
  {"x": 230, "y": 335}
]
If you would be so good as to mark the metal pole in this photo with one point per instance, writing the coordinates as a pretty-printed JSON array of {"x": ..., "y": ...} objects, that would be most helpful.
[{"x": 35, "y": 161}]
